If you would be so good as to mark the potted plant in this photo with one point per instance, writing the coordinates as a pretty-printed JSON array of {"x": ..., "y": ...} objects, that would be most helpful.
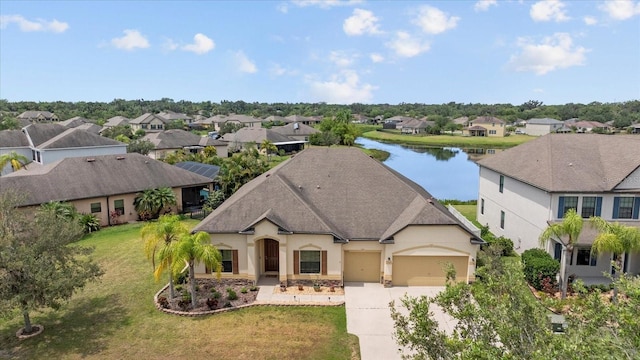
[{"x": 316, "y": 285}]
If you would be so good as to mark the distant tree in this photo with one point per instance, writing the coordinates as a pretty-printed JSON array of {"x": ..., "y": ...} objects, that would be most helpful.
[
  {"x": 229, "y": 127},
  {"x": 210, "y": 151},
  {"x": 9, "y": 123},
  {"x": 215, "y": 199},
  {"x": 176, "y": 124},
  {"x": 63, "y": 210},
  {"x": 239, "y": 169},
  {"x": 143, "y": 147},
  {"x": 16, "y": 160},
  {"x": 114, "y": 131},
  {"x": 193, "y": 248},
  {"x": 40, "y": 266},
  {"x": 268, "y": 148},
  {"x": 122, "y": 138},
  {"x": 325, "y": 138}
]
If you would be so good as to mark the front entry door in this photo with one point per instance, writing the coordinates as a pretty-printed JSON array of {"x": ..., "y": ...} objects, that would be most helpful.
[{"x": 271, "y": 255}]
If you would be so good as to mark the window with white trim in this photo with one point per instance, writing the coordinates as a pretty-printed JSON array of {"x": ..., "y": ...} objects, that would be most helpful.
[
  {"x": 96, "y": 207},
  {"x": 585, "y": 257}
]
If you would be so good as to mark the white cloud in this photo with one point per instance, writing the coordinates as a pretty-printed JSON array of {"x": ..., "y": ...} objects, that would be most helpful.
[
  {"x": 325, "y": 4},
  {"x": 169, "y": 45},
  {"x": 620, "y": 9},
  {"x": 131, "y": 40},
  {"x": 201, "y": 44},
  {"x": 484, "y": 5},
  {"x": 406, "y": 45},
  {"x": 376, "y": 58},
  {"x": 245, "y": 65},
  {"x": 341, "y": 58},
  {"x": 343, "y": 88},
  {"x": 277, "y": 70},
  {"x": 538, "y": 90},
  {"x": 548, "y": 10},
  {"x": 37, "y": 25},
  {"x": 283, "y": 8},
  {"x": 590, "y": 20},
  {"x": 434, "y": 21},
  {"x": 361, "y": 22},
  {"x": 553, "y": 53}
]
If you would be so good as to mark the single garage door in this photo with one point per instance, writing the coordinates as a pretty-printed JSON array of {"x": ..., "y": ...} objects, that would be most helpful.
[
  {"x": 426, "y": 270},
  {"x": 361, "y": 266}
]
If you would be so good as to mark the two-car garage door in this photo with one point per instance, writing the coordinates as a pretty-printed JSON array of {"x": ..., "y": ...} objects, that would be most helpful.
[{"x": 426, "y": 270}]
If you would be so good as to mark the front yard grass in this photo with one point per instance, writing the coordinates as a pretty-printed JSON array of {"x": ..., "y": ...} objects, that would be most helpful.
[
  {"x": 115, "y": 318},
  {"x": 449, "y": 140}
]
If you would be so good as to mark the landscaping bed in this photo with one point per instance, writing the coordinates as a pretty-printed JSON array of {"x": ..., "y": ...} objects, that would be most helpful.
[{"x": 212, "y": 294}]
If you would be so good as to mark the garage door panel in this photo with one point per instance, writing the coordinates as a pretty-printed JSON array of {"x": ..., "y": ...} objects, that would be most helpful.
[
  {"x": 426, "y": 270},
  {"x": 361, "y": 266}
]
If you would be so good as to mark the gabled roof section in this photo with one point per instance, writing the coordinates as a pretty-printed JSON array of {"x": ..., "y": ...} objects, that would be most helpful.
[
  {"x": 40, "y": 133},
  {"x": 117, "y": 120},
  {"x": 170, "y": 115},
  {"x": 74, "y": 122},
  {"x": 487, "y": 120},
  {"x": 13, "y": 139},
  {"x": 255, "y": 134},
  {"x": 96, "y": 176},
  {"x": 295, "y": 129},
  {"x": 178, "y": 139},
  {"x": 339, "y": 191},
  {"x": 544, "y": 121},
  {"x": 76, "y": 137},
  {"x": 147, "y": 118},
  {"x": 570, "y": 162}
]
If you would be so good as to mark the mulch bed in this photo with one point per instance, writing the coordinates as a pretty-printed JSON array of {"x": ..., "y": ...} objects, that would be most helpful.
[{"x": 212, "y": 294}]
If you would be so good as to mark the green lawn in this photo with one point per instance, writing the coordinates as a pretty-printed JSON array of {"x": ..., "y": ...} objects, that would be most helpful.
[
  {"x": 449, "y": 140},
  {"x": 115, "y": 318},
  {"x": 469, "y": 211}
]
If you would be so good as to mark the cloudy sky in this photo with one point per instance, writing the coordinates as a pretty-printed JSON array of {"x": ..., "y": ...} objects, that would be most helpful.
[{"x": 330, "y": 51}]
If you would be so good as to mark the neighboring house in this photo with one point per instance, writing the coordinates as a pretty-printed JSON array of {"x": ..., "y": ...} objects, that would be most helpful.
[
  {"x": 398, "y": 121},
  {"x": 589, "y": 126},
  {"x": 206, "y": 170},
  {"x": 539, "y": 127},
  {"x": 103, "y": 185},
  {"x": 635, "y": 128},
  {"x": 524, "y": 189},
  {"x": 74, "y": 122},
  {"x": 296, "y": 131},
  {"x": 170, "y": 116},
  {"x": 415, "y": 126},
  {"x": 247, "y": 137},
  {"x": 48, "y": 143},
  {"x": 170, "y": 141},
  {"x": 116, "y": 121},
  {"x": 37, "y": 116},
  {"x": 90, "y": 127},
  {"x": 305, "y": 120},
  {"x": 485, "y": 126},
  {"x": 276, "y": 119},
  {"x": 216, "y": 122},
  {"x": 336, "y": 215},
  {"x": 148, "y": 122},
  {"x": 462, "y": 121}
]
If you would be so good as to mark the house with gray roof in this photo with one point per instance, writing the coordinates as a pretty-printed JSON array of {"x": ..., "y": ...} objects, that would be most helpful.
[
  {"x": 116, "y": 121},
  {"x": 104, "y": 185},
  {"x": 296, "y": 131},
  {"x": 148, "y": 122},
  {"x": 50, "y": 142},
  {"x": 251, "y": 137},
  {"x": 336, "y": 215},
  {"x": 525, "y": 188},
  {"x": 173, "y": 116},
  {"x": 74, "y": 121},
  {"x": 305, "y": 120},
  {"x": 485, "y": 126},
  {"x": 539, "y": 127},
  {"x": 415, "y": 126},
  {"x": 170, "y": 141},
  {"x": 37, "y": 116}
]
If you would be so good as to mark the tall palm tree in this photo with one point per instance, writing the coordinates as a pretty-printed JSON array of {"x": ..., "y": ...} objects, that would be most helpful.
[
  {"x": 16, "y": 160},
  {"x": 617, "y": 239},
  {"x": 268, "y": 147},
  {"x": 145, "y": 205},
  {"x": 165, "y": 197},
  {"x": 567, "y": 233},
  {"x": 159, "y": 238},
  {"x": 194, "y": 248}
]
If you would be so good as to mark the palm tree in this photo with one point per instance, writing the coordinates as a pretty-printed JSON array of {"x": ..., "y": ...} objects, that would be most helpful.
[
  {"x": 617, "y": 239},
  {"x": 165, "y": 197},
  {"x": 159, "y": 238},
  {"x": 16, "y": 160},
  {"x": 268, "y": 147},
  {"x": 62, "y": 210},
  {"x": 567, "y": 233},
  {"x": 194, "y": 248},
  {"x": 151, "y": 202}
]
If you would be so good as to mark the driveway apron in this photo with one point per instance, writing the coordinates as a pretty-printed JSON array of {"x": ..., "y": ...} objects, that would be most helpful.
[{"x": 369, "y": 317}]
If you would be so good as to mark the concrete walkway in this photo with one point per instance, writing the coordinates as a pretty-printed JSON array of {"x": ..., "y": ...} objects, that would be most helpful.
[{"x": 369, "y": 317}]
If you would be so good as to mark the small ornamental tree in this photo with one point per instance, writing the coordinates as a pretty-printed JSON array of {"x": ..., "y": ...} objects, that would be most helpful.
[{"x": 40, "y": 266}]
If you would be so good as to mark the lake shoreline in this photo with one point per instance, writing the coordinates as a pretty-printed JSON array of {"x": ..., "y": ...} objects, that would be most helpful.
[{"x": 448, "y": 140}]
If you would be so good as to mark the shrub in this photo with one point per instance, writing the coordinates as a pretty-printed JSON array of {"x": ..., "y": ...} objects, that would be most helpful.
[
  {"x": 254, "y": 288},
  {"x": 163, "y": 302},
  {"x": 89, "y": 222},
  {"x": 539, "y": 265},
  {"x": 215, "y": 294},
  {"x": 181, "y": 278},
  {"x": 231, "y": 295},
  {"x": 244, "y": 290},
  {"x": 178, "y": 288},
  {"x": 505, "y": 244},
  {"x": 212, "y": 303},
  {"x": 227, "y": 305}
]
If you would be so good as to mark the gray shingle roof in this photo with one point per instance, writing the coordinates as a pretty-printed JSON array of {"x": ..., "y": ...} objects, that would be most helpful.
[
  {"x": 116, "y": 120},
  {"x": 544, "y": 121},
  {"x": 290, "y": 129},
  {"x": 74, "y": 121},
  {"x": 339, "y": 191},
  {"x": 570, "y": 162},
  {"x": 33, "y": 114},
  {"x": 146, "y": 118},
  {"x": 13, "y": 139},
  {"x": 257, "y": 135},
  {"x": 78, "y": 178},
  {"x": 487, "y": 120},
  {"x": 177, "y": 139},
  {"x": 39, "y": 133},
  {"x": 77, "y": 137}
]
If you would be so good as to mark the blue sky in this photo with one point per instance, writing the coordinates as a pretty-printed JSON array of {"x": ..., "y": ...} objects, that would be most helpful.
[{"x": 340, "y": 52}]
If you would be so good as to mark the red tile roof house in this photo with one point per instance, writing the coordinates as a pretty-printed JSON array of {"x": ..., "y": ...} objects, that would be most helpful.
[
  {"x": 525, "y": 188},
  {"x": 336, "y": 215}
]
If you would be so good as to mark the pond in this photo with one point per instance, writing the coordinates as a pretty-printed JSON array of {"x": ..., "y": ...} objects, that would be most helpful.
[{"x": 446, "y": 173}]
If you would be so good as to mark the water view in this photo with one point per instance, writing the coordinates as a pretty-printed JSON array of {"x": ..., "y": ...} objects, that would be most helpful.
[{"x": 447, "y": 173}]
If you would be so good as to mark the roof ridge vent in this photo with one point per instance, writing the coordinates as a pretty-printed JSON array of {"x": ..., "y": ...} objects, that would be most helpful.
[
  {"x": 91, "y": 159},
  {"x": 120, "y": 158}
]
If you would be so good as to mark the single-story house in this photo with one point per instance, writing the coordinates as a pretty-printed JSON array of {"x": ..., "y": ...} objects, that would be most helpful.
[
  {"x": 176, "y": 139},
  {"x": 336, "y": 215},
  {"x": 170, "y": 116},
  {"x": 296, "y": 131},
  {"x": 255, "y": 136},
  {"x": 539, "y": 127},
  {"x": 306, "y": 120},
  {"x": 104, "y": 185},
  {"x": 115, "y": 121},
  {"x": 37, "y": 116},
  {"x": 415, "y": 126},
  {"x": 74, "y": 121}
]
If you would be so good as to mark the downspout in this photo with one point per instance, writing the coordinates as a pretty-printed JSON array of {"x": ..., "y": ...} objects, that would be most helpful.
[{"x": 108, "y": 212}]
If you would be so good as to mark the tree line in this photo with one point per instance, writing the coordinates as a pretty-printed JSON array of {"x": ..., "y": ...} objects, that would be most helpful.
[{"x": 622, "y": 113}]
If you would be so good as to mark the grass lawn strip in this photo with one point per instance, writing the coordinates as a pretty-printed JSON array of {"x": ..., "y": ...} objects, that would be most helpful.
[
  {"x": 449, "y": 140},
  {"x": 116, "y": 318}
]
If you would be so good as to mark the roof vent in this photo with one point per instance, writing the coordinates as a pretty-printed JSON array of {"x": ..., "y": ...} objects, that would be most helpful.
[
  {"x": 267, "y": 175},
  {"x": 120, "y": 158},
  {"x": 91, "y": 159},
  {"x": 317, "y": 186},
  {"x": 430, "y": 200}
]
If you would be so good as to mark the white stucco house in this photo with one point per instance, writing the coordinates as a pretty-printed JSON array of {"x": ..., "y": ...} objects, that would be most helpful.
[
  {"x": 524, "y": 189},
  {"x": 539, "y": 127},
  {"x": 336, "y": 215}
]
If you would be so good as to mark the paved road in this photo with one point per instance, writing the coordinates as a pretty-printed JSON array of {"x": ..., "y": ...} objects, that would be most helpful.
[{"x": 369, "y": 317}]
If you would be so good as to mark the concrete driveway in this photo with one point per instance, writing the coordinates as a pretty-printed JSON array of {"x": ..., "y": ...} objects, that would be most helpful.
[{"x": 369, "y": 317}]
